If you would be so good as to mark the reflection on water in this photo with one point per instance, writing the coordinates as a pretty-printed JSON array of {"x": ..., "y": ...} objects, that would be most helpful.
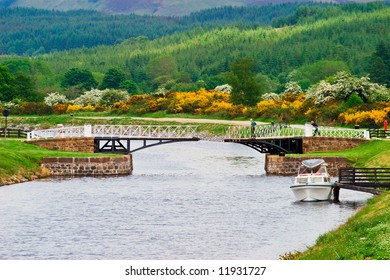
[{"x": 202, "y": 200}]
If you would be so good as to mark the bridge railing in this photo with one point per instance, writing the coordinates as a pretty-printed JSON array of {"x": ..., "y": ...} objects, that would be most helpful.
[
  {"x": 151, "y": 131},
  {"x": 133, "y": 131},
  {"x": 280, "y": 130},
  {"x": 264, "y": 131},
  {"x": 59, "y": 132},
  {"x": 343, "y": 132}
]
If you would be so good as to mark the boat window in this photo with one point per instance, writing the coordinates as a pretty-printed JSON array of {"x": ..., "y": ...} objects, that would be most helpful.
[
  {"x": 302, "y": 180},
  {"x": 322, "y": 169},
  {"x": 317, "y": 179}
]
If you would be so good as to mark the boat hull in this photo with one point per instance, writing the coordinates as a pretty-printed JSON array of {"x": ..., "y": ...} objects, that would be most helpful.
[{"x": 313, "y": 192}]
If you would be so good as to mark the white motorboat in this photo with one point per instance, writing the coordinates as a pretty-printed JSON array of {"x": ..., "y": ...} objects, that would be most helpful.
[{"x": 313, "y": 182}]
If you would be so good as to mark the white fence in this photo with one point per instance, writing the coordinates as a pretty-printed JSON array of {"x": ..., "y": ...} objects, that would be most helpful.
[
  {"x": 133, "y": 131},
  {"x": 271, "y": 131}
]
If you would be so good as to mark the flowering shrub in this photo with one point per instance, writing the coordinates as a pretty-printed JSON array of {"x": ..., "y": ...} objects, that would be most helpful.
[
  {"x": 109, "y": 97},
  {"x": 270, "y": 96},
  {"x": 91, "y": 97},
  {"x": 34, "y": 108},
  {"x": 73, "y": 108},
  {"x": 322, "y": 93},
  {"x": 343, "y": 86},
  {"x": 60, "y": 108},
  {"x": 224, "y": 88},
  {"x": 293, "y": 88},
  {"x": 365, "y": 117},
  {"x": 55, "y": 98},
  {"x": 195, "y": 101}
]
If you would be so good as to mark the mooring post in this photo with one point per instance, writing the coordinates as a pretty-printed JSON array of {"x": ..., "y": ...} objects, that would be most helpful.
[{"x": 336, "y": 193}]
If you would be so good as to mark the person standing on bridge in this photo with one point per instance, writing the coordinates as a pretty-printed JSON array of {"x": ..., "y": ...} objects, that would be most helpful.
[
  {"x": 253, "y": 128},
  {"x": 316, "y": 131},
  {"x": 385, "y": 124}
]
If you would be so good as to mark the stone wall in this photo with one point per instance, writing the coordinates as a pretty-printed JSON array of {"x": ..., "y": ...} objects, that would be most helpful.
[
  {"x": 71, "y": 144},
  {"x": 89, "y": 166},
  {"x": 319, "y": 144},
  {"x": 284, "y": 165}
]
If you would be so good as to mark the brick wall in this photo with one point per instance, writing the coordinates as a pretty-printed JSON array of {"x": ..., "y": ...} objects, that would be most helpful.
[
  {"x": 89, "y": 166},
  {"x": 71, "y": 144},
  {"x": 318, "y": 144},
  {"x": 277, "y": 165}
]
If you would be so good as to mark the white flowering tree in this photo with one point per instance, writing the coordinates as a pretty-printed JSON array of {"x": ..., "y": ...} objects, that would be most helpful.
[
  {"x": 55, "y": 98},
  {"x": 270, "y": 96},
  {"x": 292, "y": 88},
  {"x": 91, "y": 97},
  {"x": 344, "y": 85},
  {"x": 322, "y": 93},
  {"x": 224, "y": 88},
  {"x": 109, "y": 97}
]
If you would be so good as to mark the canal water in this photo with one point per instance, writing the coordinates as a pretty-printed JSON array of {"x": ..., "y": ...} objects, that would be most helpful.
[{"x": 194, "y": 200}]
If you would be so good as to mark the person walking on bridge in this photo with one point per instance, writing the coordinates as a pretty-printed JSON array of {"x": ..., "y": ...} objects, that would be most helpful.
[
  {"x": 316, "y": 131},
  {"x": 253, "y": 128}
]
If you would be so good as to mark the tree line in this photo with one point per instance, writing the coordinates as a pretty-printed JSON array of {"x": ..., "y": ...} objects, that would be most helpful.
[{"x": 30, "y": 32}]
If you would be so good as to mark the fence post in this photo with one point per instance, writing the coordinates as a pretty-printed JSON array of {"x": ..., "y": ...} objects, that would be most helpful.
[
  {"x": 87, "y": 130},
  {"x": 308, "y": 130}
]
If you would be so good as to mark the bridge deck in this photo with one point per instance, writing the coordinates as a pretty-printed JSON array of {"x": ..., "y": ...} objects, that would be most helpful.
[{"x": 272, "y": 145}]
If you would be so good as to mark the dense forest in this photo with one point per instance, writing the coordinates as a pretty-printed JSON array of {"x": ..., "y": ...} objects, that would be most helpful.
[
  {"x": 148, "y": 7},
  {"x": 185, "y": 58},
  {"x": 30, "y": 32}
]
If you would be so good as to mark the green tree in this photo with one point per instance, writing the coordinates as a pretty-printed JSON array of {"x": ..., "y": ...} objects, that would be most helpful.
[
  {"x": 380, "y": 65},
  {"x": 25, "y": 88},
  {"x": 7, "y": 83},
  {"x": 79, "y": 77},
  {"x": 130, "y": 86},
  {"x": 162, "y": 70},
  {"x": 113, "y": 78},
  {"x": 242, "y": 78}
]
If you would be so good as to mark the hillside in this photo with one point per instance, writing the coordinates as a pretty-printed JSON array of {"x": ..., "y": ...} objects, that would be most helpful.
[
  {"x": 28, "y": 31},
  {"x": 206, "y": 54},
  {"x": 150, "y": 7}
]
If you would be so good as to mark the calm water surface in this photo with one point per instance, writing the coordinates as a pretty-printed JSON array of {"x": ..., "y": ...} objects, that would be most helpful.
[{"x": 203, "y": 200}]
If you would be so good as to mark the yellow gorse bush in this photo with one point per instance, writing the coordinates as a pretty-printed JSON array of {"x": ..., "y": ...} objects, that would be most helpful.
[{"x": 365, "y": 117}]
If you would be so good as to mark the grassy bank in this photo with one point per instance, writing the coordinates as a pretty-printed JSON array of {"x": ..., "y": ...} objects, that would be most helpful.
[
  {"x": 374, "y": 153},
  {"x": 365, "y": 236},
  {"x": 20, "y": 161}
]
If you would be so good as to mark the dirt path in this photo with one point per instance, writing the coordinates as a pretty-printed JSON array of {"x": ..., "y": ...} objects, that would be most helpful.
[
  {"x": 180, "y": 120},
  {"x": 185, "y": 120}
]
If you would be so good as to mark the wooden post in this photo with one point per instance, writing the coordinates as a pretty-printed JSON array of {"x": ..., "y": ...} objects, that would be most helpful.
[{"x": 336, "y": 193}]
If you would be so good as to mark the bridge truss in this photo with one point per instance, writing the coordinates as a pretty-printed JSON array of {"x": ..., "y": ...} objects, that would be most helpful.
[{"x": 122, "y": 138}]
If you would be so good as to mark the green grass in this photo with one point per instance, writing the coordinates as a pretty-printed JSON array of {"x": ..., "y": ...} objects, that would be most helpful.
[
  {"x": 365, "y": 236},
  {"x": 374, "y": 153},
  {"x": 23, "y": 159}
]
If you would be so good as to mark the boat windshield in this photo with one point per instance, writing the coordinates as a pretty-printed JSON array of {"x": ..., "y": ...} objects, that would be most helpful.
[{"x": 320, "y": 169}]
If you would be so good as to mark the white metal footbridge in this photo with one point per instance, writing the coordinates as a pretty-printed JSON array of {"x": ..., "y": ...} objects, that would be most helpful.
[
  {"x": 269, "y": 138},
  {"x": 121, "y": 138}
]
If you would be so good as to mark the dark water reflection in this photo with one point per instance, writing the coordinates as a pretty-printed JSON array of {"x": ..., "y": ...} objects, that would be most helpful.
[{"x": 203, "y": 200}]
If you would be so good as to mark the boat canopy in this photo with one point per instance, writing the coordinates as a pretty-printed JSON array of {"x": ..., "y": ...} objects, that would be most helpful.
[{"x": 312, "y": 163}]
